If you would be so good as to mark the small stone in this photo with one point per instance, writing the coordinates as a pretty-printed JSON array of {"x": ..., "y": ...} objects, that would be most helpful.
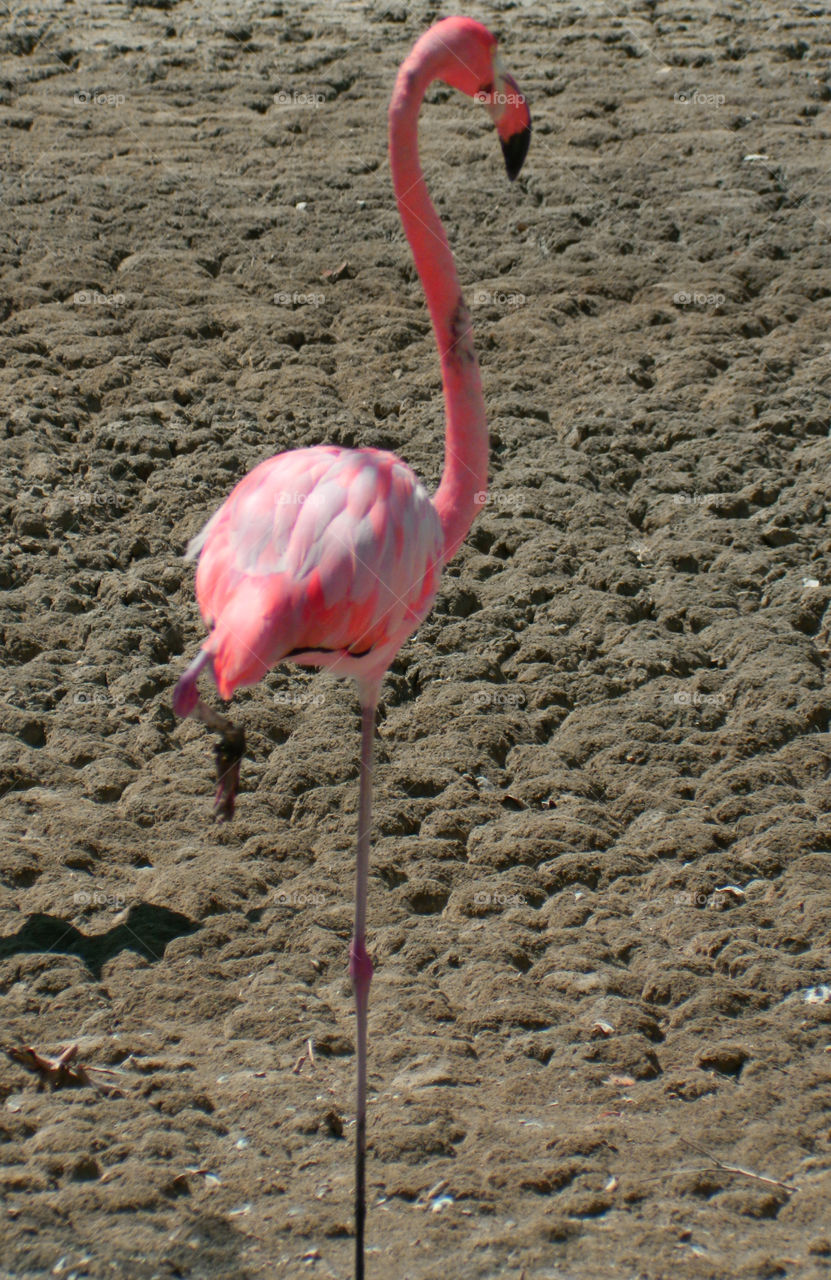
[
  {"x": 817, "y": 995},
  {"x": 333, "y": 1123},
  {"x": 177, "y": 1186},
  {"x": 727, "y": 1059}
]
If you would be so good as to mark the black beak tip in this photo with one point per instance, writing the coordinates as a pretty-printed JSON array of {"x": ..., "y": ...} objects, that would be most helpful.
[{"x": 515, "y": 150}]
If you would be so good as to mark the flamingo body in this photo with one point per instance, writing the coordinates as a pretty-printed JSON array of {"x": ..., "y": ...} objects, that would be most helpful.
[{"x": 330, "y": 556}]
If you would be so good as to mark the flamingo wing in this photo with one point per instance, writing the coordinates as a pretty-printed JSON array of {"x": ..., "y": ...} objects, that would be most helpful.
[{"x": 319, "y": 551}]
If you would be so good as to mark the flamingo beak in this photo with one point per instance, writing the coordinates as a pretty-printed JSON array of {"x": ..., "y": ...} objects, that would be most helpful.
[{"x": 509, "y": 112}]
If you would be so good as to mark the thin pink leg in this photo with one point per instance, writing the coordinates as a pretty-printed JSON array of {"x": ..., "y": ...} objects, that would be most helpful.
[{"x": 360, "y": 965}]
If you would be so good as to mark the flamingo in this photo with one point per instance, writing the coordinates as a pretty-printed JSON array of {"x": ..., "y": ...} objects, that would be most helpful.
[{"x": 331, "y": 557}]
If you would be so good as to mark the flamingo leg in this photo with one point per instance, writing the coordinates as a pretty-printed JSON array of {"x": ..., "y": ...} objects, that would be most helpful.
[{"x": 360, "y": 965}]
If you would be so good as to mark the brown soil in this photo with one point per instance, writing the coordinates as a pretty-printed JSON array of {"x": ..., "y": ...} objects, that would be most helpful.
[{"x": 618, "y": 709}]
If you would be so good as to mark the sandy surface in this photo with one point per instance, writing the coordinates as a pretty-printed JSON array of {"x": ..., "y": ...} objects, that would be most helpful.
[{"x": 600, "y": 896}]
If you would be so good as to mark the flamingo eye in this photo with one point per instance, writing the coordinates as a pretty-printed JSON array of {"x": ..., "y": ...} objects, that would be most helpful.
[{"x": 486, "y": 88}]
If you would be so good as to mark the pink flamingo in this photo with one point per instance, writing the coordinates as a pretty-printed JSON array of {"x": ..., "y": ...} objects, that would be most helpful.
[{"x": 331, "y": 557}]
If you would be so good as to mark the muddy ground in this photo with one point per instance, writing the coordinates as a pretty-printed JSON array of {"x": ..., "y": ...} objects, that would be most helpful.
[{"x": 600, "y": 898}]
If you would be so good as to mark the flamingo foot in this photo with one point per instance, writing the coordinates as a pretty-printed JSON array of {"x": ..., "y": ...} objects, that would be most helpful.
[
  {"x": 230, "y": 749},
  {"x": 229, "y": 752}
]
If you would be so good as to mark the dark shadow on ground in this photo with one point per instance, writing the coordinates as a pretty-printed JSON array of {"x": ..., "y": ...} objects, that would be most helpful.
[{"x": 147, "y": 930}]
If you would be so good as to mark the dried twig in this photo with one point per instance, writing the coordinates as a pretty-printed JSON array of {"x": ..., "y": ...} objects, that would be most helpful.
[
  {"x": 62, "y": 1070},
  {"x": 735, "y": 1168},
  {"x": 308, "y": 1055}
]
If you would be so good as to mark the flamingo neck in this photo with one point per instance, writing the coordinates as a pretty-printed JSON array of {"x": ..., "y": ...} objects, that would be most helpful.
[{"x": 465, "y": 477}]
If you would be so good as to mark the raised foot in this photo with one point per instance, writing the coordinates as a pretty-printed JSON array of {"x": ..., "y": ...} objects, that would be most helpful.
[
  {"x": 229, "y": 752},
  {"x": 231, "y": 746}
]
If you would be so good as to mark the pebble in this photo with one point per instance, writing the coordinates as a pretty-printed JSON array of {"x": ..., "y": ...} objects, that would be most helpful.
[
  {"x": 727, "y": 1059},
  {"x": 817, "y": 995}
]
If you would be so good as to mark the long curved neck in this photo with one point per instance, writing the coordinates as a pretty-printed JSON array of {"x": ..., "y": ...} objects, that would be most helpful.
[{"x": 465, "y": 477}]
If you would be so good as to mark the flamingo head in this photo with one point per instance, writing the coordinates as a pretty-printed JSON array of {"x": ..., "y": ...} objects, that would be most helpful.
[
  {"x": 468, "y": 58},
  {"x": 509, "y": 112}
]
